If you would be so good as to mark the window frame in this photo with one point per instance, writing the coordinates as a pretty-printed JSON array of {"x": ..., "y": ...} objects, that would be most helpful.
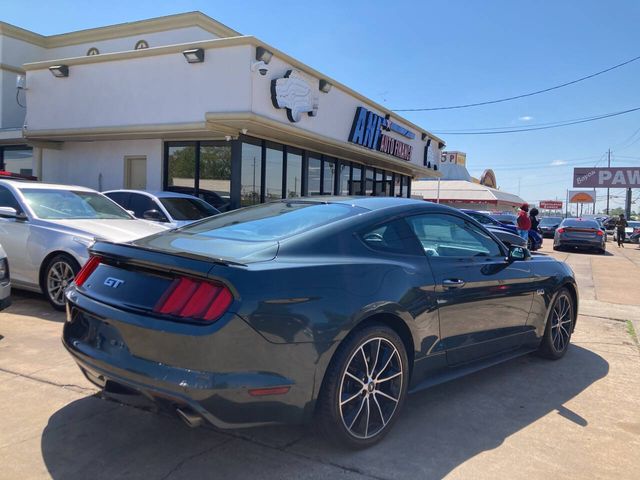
[{"x": 476, "y": 225}]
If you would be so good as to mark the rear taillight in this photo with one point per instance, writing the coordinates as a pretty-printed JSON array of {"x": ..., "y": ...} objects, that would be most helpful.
[
  {"x": 560, "y": 230},
  {"x": 194, "y": 299},
  {"x": 87, "y": 270},
  {"x": 600, "y": 233}
]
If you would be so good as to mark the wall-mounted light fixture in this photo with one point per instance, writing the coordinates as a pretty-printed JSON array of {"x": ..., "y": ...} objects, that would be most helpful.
[
  {"x": 424, "y": 136},
  {"x": 194, "y": 55},
  {"x": 441, "y": 145},
  {"x": 324, "y": 86},
  {"x": 59, "y": 70},
  {"x": 263, "y": 55}
]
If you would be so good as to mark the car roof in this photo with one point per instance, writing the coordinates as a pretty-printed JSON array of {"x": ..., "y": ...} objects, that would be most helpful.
[
  {"x": 157, "y": 194},
  {"x": 368, "y": 203},
  {"x": 20, "y": 185}
]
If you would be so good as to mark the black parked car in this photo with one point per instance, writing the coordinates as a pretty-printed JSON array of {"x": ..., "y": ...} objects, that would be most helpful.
[
  {"x": 325, "y": 309},
  {"x": 580, "y": 233},
  {"x": 548, "y": 226}
]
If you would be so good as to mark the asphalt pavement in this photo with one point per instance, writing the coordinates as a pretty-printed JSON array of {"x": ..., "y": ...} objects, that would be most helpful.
[{"x": 577, "y": 418}]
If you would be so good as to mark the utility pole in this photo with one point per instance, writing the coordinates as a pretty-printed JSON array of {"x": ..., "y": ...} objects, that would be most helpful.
[{"x": 608, "y": 166}]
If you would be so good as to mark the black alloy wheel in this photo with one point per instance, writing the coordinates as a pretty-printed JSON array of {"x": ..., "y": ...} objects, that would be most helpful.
[
  {"x": 559, "y": 328},
  {"x": 58, "y": 275},
  {"x": 364, "y": 387}
]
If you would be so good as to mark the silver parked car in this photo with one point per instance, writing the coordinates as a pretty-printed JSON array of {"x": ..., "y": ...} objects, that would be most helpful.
[
  {"x": 46, "y": 230},
  {"x": 170, "y": 208},
  {"x": 5, "y": 283}
]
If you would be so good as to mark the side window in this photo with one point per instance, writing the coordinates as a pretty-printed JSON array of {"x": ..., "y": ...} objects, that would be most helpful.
[
  {"x": 391, "y": 237},
  {"x": 140, "y": 204},
  {"x": 451, "y": 236},
  {"x": 121, "y": 198},
  {"x": 8, "y": 200}
]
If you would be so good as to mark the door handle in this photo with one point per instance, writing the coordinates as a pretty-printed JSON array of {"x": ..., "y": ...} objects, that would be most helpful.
[{"x": 453, "y": 283}]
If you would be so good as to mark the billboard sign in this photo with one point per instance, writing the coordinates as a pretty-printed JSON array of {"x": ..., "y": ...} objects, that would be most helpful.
[
  {"x": 551, "y": 204},
  {"x": 620, "y": 177},
  {"x": 582, "y": 196}
]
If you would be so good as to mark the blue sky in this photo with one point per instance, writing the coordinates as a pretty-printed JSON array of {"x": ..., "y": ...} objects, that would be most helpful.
[{"x": 407, "y": 54}]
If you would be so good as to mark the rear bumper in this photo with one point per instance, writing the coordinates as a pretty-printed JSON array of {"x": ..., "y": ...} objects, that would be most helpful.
[
  {"x": 579, "y": 243},
  {"x": 210, "y": 372}
]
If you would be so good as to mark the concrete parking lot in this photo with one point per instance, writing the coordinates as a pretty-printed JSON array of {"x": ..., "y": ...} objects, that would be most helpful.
[{"x": 528, "y": 419}]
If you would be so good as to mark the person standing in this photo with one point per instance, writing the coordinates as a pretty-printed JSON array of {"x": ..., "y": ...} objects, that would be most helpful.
[
  {"x": 524, "y": 222},
  {"x": 533, "y": 231},
  {"x": 621, "y": 224}
]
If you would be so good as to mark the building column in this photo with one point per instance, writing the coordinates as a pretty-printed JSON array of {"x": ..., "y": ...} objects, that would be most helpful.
[{"x": 37, "y": 163}]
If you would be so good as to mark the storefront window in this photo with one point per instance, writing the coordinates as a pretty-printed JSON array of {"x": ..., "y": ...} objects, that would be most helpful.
[
  {"x": 380, "y": 185},
  {"x": 344, "y": 171},
  {"x": 273, "y": 171},
  {"x": 181, "y": 165},
  {"x": 356, "y": 180},
  {"x": 294, "y": 173},
  {"x": 215, "y": 169},
  {"x": 17, "y": 160},
  {"x": 397, "y": 188},
  {"x": 314, "y": 175},
  {"x": 403, "y": 186},
  {"x": 388, "y": 182},
  {"x": 251, "y": 173},
  {"x": 368, "y": 182},
  {"x": 329, "y": 174}
]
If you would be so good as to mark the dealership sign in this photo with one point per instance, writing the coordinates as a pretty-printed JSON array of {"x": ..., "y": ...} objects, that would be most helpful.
[
  {"x": 367, "y": 130},
  {"x": 551, "y": 204},
  {"x": 294, "y": 93},
  {"x": 607, "y": 177}
]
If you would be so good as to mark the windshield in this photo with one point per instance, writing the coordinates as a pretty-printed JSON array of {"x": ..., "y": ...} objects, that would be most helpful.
[
  {"x": 550, "y": 220},
  {"x": 270, "y": 221},
  {"x": 480, "y": 218},
  {"x": 69, "y": 204},
  {"x": 505, "y": 217},
  {"x": 187, "y": 208},
  {"x": 634, "y": 224}
]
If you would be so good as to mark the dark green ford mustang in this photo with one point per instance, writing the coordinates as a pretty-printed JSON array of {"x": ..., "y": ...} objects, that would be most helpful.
[{"x": 325, "y": 309}]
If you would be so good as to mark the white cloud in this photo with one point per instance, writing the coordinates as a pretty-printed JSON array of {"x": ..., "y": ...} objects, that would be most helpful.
[
  {"x": 525, "y": 118},
  {"x": 557, "y": 163}
]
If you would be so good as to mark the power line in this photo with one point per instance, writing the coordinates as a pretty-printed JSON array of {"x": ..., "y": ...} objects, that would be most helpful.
[
  {"x": 516, "y": 97},
  {"x": 489, "y": 131}
]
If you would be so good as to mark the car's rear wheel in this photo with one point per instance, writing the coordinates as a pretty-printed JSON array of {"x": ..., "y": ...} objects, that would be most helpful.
[
  {"x": 364, "y": 387},
  {"x": 557, "y": 333},
  {"x": 58, "y": 275}
]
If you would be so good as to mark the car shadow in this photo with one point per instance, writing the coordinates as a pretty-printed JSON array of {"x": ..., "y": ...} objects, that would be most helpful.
[
  {"x": 33, "y": 304},
  {"x": 439, "y": 429}
]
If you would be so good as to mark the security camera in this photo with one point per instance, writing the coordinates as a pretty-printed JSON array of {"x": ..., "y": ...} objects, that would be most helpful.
[{"x": 261, "y": 67}]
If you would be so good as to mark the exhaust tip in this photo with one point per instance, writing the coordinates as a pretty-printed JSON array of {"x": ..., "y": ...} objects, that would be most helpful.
[{"x": 191, "y": 418}]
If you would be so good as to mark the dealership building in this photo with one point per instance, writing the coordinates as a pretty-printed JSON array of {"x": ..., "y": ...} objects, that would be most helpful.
[{"x": 184, "y": 101}]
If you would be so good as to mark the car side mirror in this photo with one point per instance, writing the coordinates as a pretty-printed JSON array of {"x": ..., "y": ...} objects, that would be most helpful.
[
  {"x": 10, "y": 212},
  {"x": 518, "y": 253},
  {"x": 154, "y": 216}
]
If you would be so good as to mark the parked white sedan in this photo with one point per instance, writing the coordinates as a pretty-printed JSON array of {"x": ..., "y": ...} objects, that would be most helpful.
[{"x": 46, "y": 230}]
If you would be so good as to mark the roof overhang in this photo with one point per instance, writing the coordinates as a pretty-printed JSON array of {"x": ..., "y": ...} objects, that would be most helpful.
[{"x": 268, "y": 128}]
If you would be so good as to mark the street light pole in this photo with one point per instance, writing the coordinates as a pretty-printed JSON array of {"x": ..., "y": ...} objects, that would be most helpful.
[{"x": 608, "y": 166}]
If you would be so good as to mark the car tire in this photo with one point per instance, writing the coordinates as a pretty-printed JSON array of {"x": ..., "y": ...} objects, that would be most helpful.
[
  {"x": 58, "y": 274},
  {"x": 354, "y": 408},
  {"x": 559, "y": 327}
]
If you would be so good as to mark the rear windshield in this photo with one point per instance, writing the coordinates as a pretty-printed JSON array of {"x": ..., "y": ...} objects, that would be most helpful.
[
  {"x": 550, "y": 220},
  {"x": 569, "y": 222},
  {"x": 271, "y": 221},
  {"x": 505, "y": 217},
  {"x": 187, "y": 208}
]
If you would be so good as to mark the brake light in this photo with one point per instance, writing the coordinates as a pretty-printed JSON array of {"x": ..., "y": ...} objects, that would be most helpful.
[
  {"x": 560, "y": 230},
  {"x": 599, "y": 233},
  {"x": 194, "y": 299},
  {"x": 87, "y": 270}
]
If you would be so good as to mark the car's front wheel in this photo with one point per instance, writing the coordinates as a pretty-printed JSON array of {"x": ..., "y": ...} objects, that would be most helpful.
[
  {"x": 58, "y": 275},
  {"x": 559, "y": 328},
  {"x": 364, "y": 387}
]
